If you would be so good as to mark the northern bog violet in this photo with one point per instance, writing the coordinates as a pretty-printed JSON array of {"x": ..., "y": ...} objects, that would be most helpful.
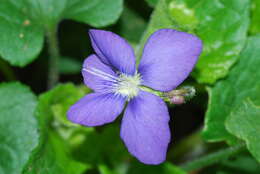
[{"x": 168, "y": 58}]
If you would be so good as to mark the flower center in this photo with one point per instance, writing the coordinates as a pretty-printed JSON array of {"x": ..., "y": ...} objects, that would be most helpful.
[
  {"x": 123, "y": 84},
  {"x": 128, "y": 86}
]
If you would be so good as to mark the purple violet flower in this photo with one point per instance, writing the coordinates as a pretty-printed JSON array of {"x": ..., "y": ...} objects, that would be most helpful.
[{"x": 168, "y": 58}]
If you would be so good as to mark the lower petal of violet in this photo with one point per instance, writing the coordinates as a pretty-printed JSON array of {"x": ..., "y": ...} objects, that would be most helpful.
[
  {"x": 96, "y": 109},
  {"x": 145, "y": 130}
]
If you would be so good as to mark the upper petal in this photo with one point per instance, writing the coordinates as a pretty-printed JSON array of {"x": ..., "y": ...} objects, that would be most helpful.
[
  {"x": 113, "y": 50},
  {"x": 168, "y": 58},
  {"x": 96, "y": 109},
  {"x": 97, "y": 75},
  {"x": 145, "y": 130}
]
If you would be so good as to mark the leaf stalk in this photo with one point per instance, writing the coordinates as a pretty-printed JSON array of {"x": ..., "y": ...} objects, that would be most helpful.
[
  {"x": 53, "y": 73},
  {"x": 213, "y": 158}
]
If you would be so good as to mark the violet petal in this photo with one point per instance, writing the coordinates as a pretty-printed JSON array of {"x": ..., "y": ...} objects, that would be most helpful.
[
  {"x": 168, "y": 58},
  {"x": 113, "y": 50},
  {"x": 96, "y": 109},
  {"x": 145, "y": 130},
  {"x": 97, "y": 75}
]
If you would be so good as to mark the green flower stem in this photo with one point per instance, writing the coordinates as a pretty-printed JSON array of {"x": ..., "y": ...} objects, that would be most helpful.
[
  {"x": 186, "y": 91},
  {"x": 147, "y": 89},
  {"x": 213, "y": 158},
  {"x": 53, "y": 74},
  {"x": 7, "y": 71}
]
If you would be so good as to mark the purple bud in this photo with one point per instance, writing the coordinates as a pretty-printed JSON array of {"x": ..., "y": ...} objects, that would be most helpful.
[{"x": 178, "y": 100}]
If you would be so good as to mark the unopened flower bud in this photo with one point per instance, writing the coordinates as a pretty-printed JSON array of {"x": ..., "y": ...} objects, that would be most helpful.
[
  {"x": 190, "y": 92},
  {"x": 181, "y": 95},
  {"x": 177, "y": 100}
]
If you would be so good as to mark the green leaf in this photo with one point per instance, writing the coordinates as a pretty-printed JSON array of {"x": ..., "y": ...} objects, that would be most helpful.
[
  {"x": 243, "y": 163},
  {"x": 159, "y": 19},
  {"x": 55, "y": 103},
  {"x": 21, "y": 39},
  {"x": 182, "y": 15},
  {"x": 53, "y": 158},
  {"x": 244, "y": 124},
  {"x": 23, "y": 23},
  {"x": 255, "y": 13},
  {"x": 103, "y": 169},
  {"x": 170, "y": 168},
  {"x": 99, "y": 145},
  {"x": 54, "y": 149},
  {"x": 222, "y": 26},
  {"x": 132, "y": 25},
  {"x": 240, "y": 164},
  {"x": 48, "y": 12},
  {"x": 19, "y": 128},
  {"x": 65, "y": 96},
  {"x": 97, "y": 13},
  {"x": 227, "y": 95},
  {"x": 104, "y": 146},
  {"x": 69, "y": 66}
]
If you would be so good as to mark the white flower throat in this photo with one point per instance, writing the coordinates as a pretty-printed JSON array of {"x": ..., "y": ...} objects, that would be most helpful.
[
  {"x": 123, "y": 84},
  {"x": 128, "y": 86}
]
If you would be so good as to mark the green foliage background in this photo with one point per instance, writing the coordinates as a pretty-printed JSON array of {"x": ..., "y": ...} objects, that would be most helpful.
[{"x": 36, "y": 137}]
